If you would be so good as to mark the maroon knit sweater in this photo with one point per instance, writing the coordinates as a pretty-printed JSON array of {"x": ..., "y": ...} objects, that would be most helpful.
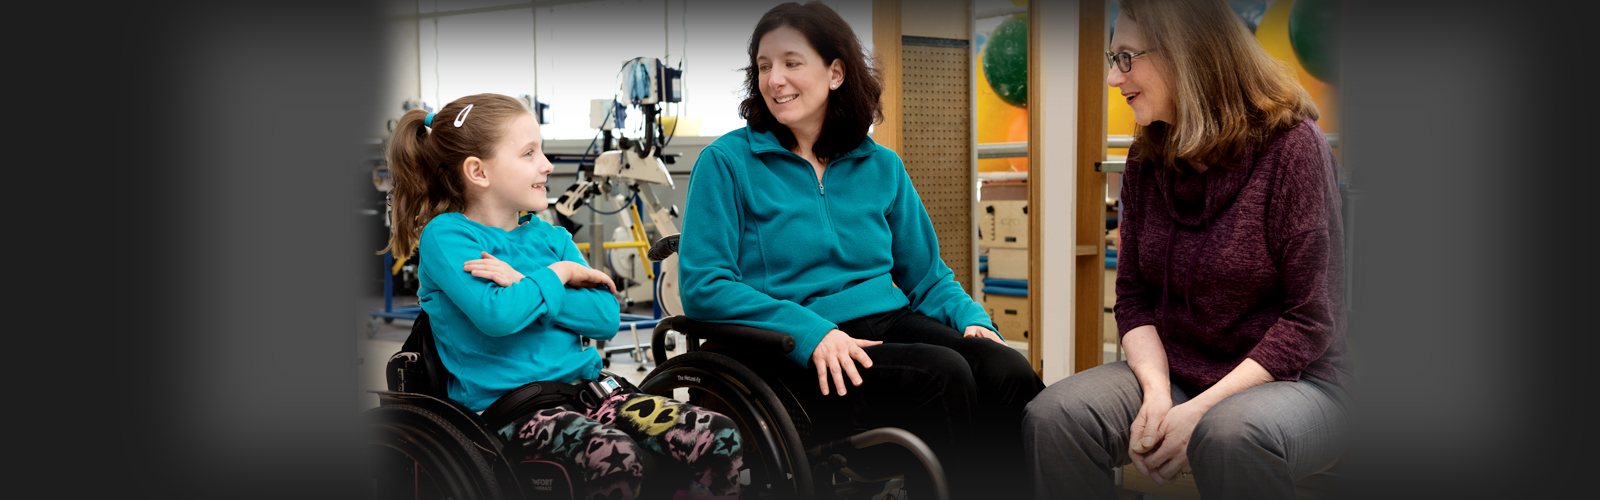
[{"x": 1237, "y": 263}]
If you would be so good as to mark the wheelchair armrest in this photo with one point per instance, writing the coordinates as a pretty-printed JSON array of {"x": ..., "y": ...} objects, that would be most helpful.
[
  {"x": 727, "y": 334},
  {"x": 664, "y": 248}
]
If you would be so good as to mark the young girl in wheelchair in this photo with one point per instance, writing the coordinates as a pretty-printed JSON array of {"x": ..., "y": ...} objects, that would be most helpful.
[{"x": 509, "y": 302}]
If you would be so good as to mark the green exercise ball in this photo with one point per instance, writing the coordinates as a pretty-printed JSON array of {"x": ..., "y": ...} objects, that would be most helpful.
[
  {"x": 1005, "y": 60},
  {"x": 1314, "y": 34}
]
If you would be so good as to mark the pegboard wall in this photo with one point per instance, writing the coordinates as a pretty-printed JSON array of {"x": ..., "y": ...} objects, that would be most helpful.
[{"x": 937, "y": 141}]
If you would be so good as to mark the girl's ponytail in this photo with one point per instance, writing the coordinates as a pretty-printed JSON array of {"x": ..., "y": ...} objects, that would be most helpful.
[{"x": 413, "y": 169}]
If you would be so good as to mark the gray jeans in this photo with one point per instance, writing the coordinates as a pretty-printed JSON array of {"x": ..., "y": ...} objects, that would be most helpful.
[{"x": 1254, "y": 444}]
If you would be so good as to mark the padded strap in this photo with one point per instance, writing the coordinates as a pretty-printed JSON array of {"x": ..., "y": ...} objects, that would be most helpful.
[{"x": 531, "y": 397}]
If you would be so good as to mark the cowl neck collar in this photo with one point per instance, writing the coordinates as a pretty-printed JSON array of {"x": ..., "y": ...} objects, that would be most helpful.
[{"x": 1222, "y": 186}]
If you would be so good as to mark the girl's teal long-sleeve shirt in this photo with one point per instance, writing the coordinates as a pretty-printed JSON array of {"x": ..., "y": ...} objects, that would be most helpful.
[
  {"x": 767, "y": 244},
  {"x": 494, "y": 339}
]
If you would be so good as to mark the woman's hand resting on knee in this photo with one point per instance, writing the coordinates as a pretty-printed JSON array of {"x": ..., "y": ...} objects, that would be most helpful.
[
  {"x": 983, "y": 333},
  {"x": 1145, "y": 434},
  {"x": 1149, "y": 439},
  {"x": 837, "y": 355},
  {"x": 1171, "y": 457}
]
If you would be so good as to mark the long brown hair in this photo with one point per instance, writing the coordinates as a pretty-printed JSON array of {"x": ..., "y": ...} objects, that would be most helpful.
[
  {"x": 1226, "y": 89},
  {"x": 852, "y": 108},
  {"x": 425, "y": 161}
]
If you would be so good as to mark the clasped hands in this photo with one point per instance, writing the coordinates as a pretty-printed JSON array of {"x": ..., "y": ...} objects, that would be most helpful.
[
  {"x": 837, "y": 354},
  {"x": 1158, "y": 440},
  {"x": 571, "y": 273}
]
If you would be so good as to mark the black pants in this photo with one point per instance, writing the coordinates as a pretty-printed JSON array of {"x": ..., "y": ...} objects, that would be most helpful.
[{"x": 963, "y": 396}]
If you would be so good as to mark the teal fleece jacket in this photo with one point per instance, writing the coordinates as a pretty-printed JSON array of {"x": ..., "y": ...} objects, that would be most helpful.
[
  {"x": 767, "y": 244},
  {"x": 494, "y": 339}
]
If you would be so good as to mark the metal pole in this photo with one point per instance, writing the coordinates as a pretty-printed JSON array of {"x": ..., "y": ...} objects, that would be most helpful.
[
  {"x": 976, "y": 188},
  {"x": 388, "y": 282},
  {"x": 535, "y": 12},
  {"x": 597, "y": 240},
  {"x": 666, "y": 46},
  {"x": 638, "y": 349}
]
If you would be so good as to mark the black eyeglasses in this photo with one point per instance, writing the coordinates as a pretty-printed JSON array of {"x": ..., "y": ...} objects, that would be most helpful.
[{"x": 1124, "y": 60}]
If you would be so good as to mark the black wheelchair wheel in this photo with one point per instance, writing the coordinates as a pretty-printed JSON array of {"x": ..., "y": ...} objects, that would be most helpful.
[
  {"x": 774, "y": 455},
  {"x": 413, "y": 453}
]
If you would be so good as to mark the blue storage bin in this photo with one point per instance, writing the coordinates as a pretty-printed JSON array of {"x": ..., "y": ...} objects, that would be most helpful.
[
  {"x": 1006, "y": 290},
  {"x": 1006, "y": 282}
]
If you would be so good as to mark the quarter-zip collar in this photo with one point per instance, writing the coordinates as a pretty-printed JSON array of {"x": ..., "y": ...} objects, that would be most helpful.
[{"x": 766, "y": 142}]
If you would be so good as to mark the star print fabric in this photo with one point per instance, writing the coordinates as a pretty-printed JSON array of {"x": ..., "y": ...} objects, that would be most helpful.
[{"x": 605, "y": 443}]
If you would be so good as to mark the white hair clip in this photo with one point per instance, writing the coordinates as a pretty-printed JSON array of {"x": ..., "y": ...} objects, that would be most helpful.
[{"x": 462, "y": 116}]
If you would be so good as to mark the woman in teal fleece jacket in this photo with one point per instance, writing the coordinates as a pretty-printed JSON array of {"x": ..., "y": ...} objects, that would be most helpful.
[
  {"x": 511, "y": 303},
  {"x": 799, "y": 223}
]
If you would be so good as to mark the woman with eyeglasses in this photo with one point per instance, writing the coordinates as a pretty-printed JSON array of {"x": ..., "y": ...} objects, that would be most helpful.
[{"x": 1229, "y": 276}]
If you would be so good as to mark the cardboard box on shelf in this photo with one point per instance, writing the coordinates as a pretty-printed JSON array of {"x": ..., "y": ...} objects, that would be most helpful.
[
  {"x": 1003, "y": 223},
  {"x": 1010, "y": 314},
  {"x": 1003, "y": 190},
  {"x": 1008, "y": 263}
]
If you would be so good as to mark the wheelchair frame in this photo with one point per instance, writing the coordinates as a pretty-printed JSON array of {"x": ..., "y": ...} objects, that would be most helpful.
[
  {"x": 464, "y": 459},
  {"x": 757, "y": 396}
]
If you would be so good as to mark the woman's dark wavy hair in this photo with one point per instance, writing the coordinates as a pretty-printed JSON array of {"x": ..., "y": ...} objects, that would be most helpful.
[{"x": 852, "y": 108}]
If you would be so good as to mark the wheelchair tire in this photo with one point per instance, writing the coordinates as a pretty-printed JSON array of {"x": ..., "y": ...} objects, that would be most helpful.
[
  {"x": 444, "y": 463},
  {"x": 770, "y": 439}
]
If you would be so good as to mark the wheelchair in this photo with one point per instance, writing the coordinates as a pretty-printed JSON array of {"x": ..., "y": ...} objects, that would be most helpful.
[{"x": 422, "y": 444}]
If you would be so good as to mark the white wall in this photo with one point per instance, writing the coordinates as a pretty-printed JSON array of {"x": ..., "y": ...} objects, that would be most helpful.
[{"x": 569, "y": 52}]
